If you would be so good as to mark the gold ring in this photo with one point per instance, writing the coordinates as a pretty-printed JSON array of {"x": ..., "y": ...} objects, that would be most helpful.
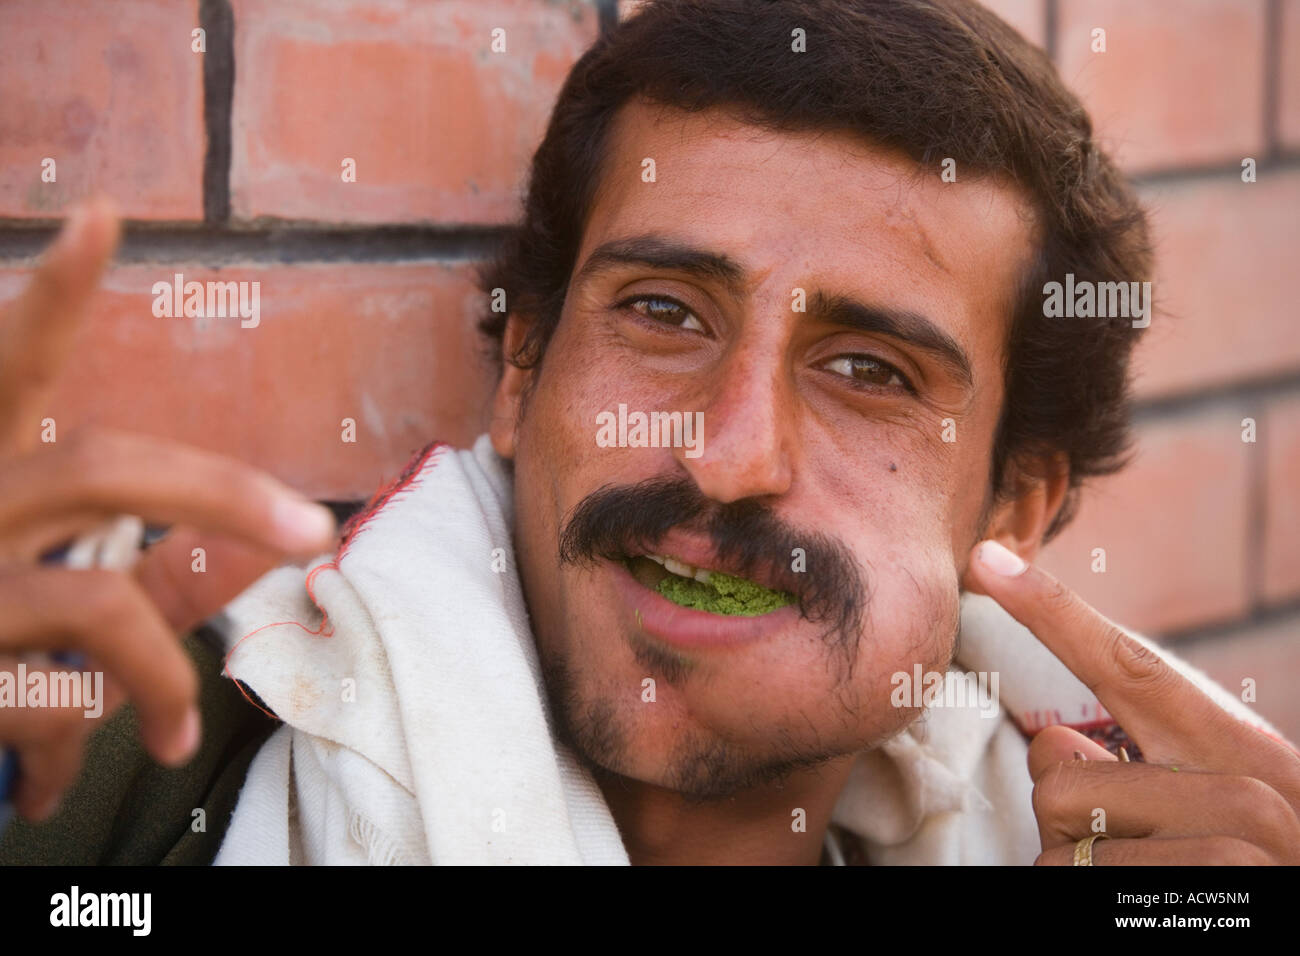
[{"x": 1083, "y": 849}]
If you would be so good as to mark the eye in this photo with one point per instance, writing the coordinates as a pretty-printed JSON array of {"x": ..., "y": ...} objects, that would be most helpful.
[
  {"x": 869, "y": 371},
  {"x": 664, "y": 311}
]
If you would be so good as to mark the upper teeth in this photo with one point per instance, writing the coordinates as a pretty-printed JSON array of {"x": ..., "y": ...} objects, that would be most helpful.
[{"x": 681, "y": 567}]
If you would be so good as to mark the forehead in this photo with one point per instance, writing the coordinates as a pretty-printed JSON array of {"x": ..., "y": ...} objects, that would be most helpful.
[{"x": 822, "y": 208}]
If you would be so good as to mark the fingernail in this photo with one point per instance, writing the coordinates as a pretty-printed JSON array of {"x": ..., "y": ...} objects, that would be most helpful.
[
  {"x": 186, "y": 741},
  {"x": 302, "y": 525},
  {"x": 1000, "y": 560},
  {"x": 1123, "y": 755}
]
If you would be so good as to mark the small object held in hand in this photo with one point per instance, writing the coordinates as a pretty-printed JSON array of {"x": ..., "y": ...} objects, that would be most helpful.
[
  {"x": 1078, "y": 755},
  {"x": 115, "y": 545},
  {"x": 1123, "y": 755}
]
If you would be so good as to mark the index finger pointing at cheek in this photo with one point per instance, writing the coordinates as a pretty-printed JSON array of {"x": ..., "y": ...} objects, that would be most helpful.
[{"x": 1169, "y": 716}]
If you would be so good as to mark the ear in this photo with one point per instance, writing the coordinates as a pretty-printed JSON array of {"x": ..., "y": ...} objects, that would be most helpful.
[
  {"x": 507, "y": 401},
  {"x": 1020, "y": 523}
]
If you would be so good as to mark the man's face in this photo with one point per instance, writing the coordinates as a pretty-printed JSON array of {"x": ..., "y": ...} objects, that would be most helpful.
[{"x": 858, "y": 437}]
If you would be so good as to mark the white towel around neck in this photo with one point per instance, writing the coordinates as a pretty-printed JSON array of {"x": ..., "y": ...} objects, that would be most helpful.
[{"x": 416, "y": 730}]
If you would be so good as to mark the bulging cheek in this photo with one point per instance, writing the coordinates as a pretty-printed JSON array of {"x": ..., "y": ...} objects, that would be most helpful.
[
  {"x": 802, "y": 690},
  {"x": 914, "y": 609},
  {"x": 912, "y": 631}
]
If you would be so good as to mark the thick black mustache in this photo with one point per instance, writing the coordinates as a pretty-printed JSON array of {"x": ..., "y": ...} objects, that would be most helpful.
[{"x": 618, "y": 520}]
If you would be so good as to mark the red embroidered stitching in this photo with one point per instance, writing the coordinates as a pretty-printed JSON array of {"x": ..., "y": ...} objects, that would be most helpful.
[{"x": 355, "y": 525}]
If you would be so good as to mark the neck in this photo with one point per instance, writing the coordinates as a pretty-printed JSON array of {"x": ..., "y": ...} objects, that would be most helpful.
[{"x": 754, "y": 827}]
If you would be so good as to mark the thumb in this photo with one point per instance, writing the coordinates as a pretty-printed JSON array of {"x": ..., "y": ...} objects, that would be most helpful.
[
  {"x": 1058, "y": 744},
  {"x": 189, "y": 585}
]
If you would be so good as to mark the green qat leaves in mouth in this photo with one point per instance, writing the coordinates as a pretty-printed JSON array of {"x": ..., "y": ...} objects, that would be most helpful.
[{"x": 723, "y": 594}]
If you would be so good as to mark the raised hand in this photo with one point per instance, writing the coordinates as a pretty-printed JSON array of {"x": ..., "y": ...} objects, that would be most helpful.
[
  {"x": 1212, "y": 789},
  {"x": 50, "y": 493}
]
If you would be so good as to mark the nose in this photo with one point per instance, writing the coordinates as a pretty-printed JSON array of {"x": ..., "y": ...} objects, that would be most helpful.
[{"x": 747, "y": 430}]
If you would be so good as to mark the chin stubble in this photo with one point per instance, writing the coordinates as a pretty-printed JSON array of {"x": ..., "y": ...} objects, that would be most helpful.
[{"x": 700, "y": 768}]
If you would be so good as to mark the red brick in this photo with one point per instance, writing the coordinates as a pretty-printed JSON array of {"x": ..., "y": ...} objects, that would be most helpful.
[
  {"x": 1181, "y": 81},
  {"x": 1280, "y": 439},
  {"x": 441, "y": 128},
  {"x": 113, "y": 94},
  {"x": 1225, "y": 258},
  {"x": 1027, "y": 16},
  {"x": 1288, "y": 123},
  {"x": 1267, "y": 653},
  {"x": 389, "y": 345},
  {"x": 1174, "y": 528}
]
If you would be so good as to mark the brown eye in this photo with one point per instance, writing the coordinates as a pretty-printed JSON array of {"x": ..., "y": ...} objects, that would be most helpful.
[
  {"x": 663, "y": 310},
  {"x": 868, "y": 371}
]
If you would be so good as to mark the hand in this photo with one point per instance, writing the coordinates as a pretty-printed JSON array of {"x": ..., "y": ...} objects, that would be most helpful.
[
  {"x": 1212, "y": 790},
  {"x": 50, "y": 493}
]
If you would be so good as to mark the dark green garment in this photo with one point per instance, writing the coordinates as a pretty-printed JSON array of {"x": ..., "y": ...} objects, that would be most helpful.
[{"x": 126, "y": 809}]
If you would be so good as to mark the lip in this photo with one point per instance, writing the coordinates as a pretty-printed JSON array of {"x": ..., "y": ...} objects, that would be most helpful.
[
  {"x": 688, "y": 628},
  {"x": 698, "y": 553}
]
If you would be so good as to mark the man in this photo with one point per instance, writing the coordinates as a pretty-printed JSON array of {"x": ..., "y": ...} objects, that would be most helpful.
[{"x": 819, "y": 233}]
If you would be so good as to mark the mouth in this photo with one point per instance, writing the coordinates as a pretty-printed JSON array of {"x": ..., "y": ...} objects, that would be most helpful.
[
  {"x": 677, "y": 594},
  {"x": 711, "y": 591}
]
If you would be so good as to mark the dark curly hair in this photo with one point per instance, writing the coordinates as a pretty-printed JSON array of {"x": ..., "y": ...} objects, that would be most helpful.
[{"x": 932, "y": 78}]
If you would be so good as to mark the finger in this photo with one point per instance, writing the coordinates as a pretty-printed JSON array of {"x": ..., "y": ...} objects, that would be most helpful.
[
  {"x": 108, "y": 616},
  {"x": 1173, "y": 851},
  {"x": 188, "y": 587},
  {"x": 1057, "y": 744},
  {"x": 33, "y": 723},
  {"x": 47, "y": 740},
  {"x": 1052, "y": 746},
  {"x": 113, "y": 694},
  {"x": 40, "y": 327},
  {"x": 1170, "y": 718},
  {"x": 47, "y": 771},
  {"x": 1072, "y": 800},
  {"x": 99, "y": 698},
  {"x": 102, "y": 471},
  {"x": 25, "y": 545}
]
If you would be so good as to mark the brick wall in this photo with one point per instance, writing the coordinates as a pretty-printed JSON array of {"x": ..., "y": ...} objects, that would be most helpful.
[
  {"x": 1202, "y": 533},
  {"x": 227, "y": 164}
]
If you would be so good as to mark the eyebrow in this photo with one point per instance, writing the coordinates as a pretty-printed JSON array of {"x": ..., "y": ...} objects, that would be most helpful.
[
  {"x": 901, "y": 324},
  {"x": 659, "y": 252}
]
